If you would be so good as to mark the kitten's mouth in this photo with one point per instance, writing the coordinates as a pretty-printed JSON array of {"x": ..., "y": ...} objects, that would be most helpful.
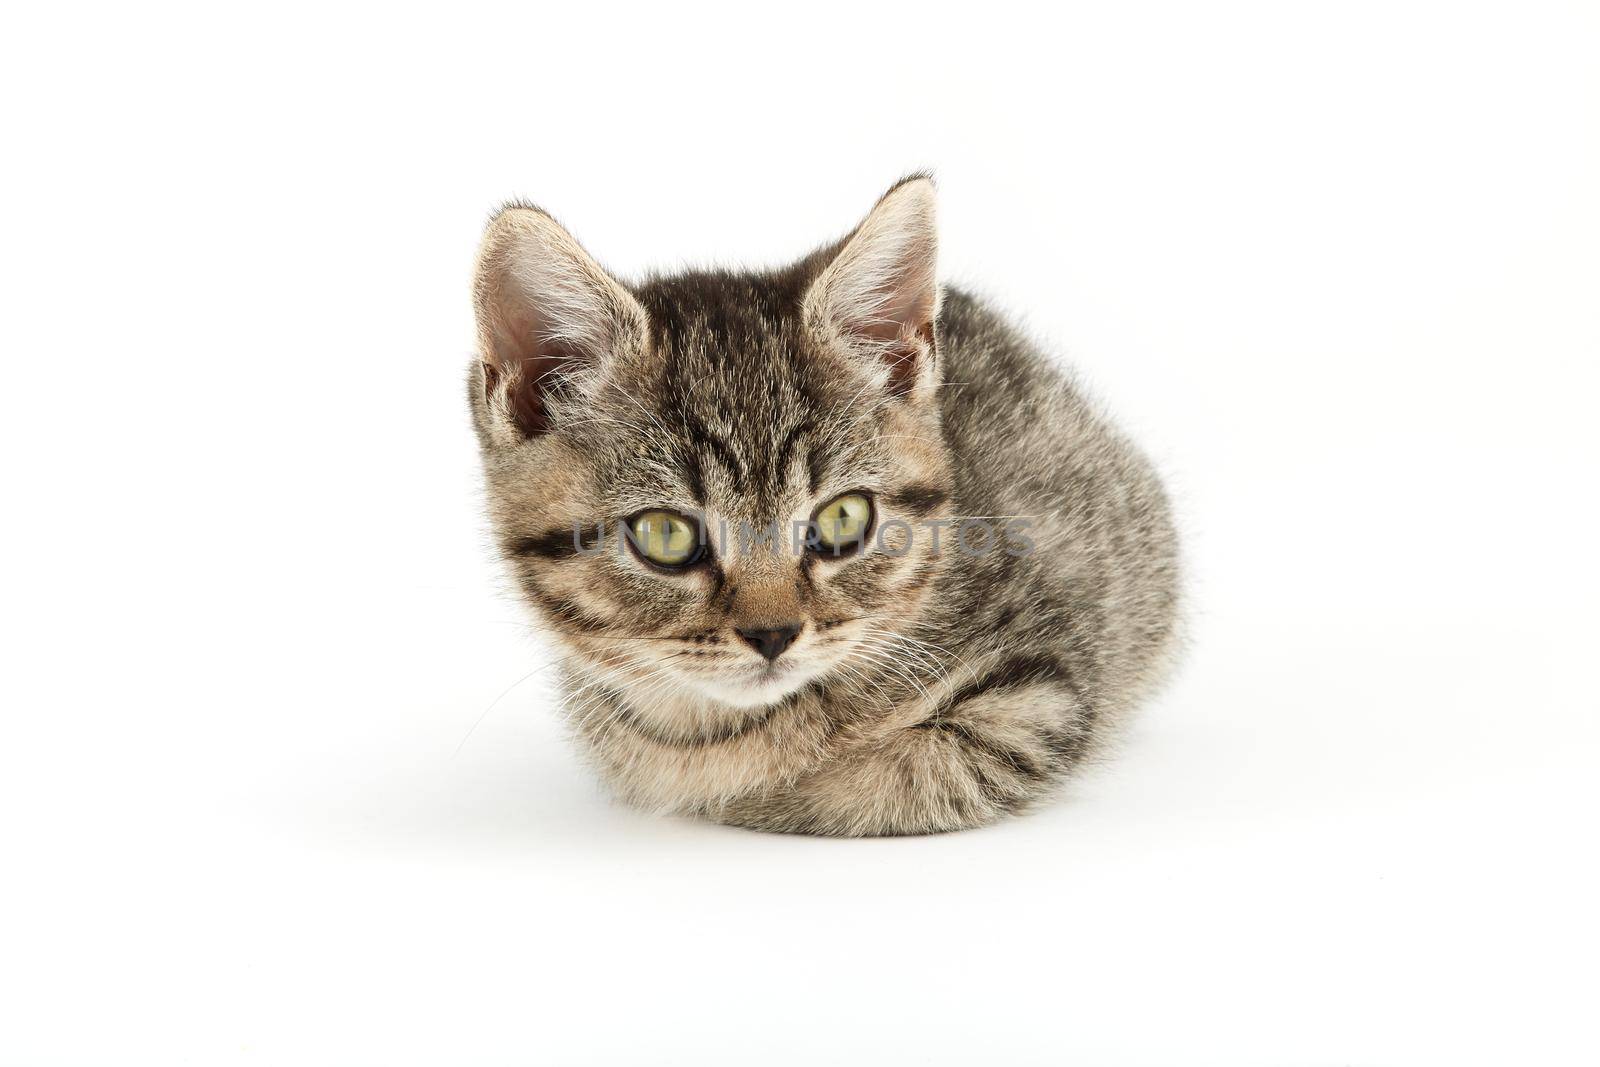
[
  {"x": 753, "y": 685},
  {"x": 764, "y": 677}
]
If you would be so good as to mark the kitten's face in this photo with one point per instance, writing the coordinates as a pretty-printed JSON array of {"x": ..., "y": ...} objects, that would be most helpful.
[{"x": 717, "y": 486}]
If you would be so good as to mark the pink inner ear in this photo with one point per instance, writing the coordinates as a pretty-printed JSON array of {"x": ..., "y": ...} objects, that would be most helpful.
[
  {"x": 527, "y": 364},
  {"x": 900, "y": 347},
  {"x": 525, "y": 395},
  {"x": 902, "y": 334},
  {"x": 902, "y": 363}
]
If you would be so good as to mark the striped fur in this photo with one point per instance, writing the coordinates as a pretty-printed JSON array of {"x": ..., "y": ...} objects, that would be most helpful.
[{"x": 930, "y": 689}]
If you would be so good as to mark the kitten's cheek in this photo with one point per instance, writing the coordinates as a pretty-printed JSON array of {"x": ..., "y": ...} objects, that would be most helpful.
[{"x": 894, "y": 537}]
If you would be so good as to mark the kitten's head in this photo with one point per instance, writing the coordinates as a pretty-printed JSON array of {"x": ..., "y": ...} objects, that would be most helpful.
[{"x": 716, "y": 484}]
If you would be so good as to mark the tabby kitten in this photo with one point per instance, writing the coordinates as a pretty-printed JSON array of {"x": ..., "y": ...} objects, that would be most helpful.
[{"x": 649, "y": 447}]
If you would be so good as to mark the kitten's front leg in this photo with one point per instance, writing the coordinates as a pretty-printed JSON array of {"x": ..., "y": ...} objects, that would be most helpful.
[{"x": 989, "y": 750}]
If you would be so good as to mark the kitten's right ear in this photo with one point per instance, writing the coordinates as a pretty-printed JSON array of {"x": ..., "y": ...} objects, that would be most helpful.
[
  {"x": 879, "y": 296},
  {"x": 549, "y": 317}
]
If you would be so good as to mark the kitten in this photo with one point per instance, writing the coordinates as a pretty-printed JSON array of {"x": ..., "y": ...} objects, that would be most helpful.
[{"x": 648, "y": 449}]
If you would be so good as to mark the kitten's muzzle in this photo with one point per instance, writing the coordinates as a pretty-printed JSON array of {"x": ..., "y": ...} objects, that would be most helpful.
[{"x": 771, "y": 643}]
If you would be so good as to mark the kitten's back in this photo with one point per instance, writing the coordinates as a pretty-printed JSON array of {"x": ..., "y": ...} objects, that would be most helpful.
[{"x": 1101, "y": 584}]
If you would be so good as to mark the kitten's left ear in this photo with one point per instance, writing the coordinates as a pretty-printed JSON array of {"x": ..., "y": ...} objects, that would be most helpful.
[{"x": 879, "y": 297}]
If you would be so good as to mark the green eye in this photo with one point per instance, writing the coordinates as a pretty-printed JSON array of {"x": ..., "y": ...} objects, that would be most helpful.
[
  {"x": 842, "y": 522},
  {"x": 665, "y": 538}
]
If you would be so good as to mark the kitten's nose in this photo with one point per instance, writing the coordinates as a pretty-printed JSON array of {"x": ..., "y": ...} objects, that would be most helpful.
[{"x": 771, "y": 643}]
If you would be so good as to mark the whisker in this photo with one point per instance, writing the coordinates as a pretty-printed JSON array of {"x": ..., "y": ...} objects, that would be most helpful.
[{"x": 493, "y": 703}]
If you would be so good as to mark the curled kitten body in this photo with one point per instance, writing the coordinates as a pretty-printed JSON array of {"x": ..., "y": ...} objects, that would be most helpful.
[{"x": 826, "y": 549}]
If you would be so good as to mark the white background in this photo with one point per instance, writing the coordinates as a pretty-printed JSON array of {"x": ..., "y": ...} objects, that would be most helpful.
[{"x": 277, "y": 787}]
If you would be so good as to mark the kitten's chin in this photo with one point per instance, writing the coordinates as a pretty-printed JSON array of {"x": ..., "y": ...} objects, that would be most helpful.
[{"x": 758, "y": 688}]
